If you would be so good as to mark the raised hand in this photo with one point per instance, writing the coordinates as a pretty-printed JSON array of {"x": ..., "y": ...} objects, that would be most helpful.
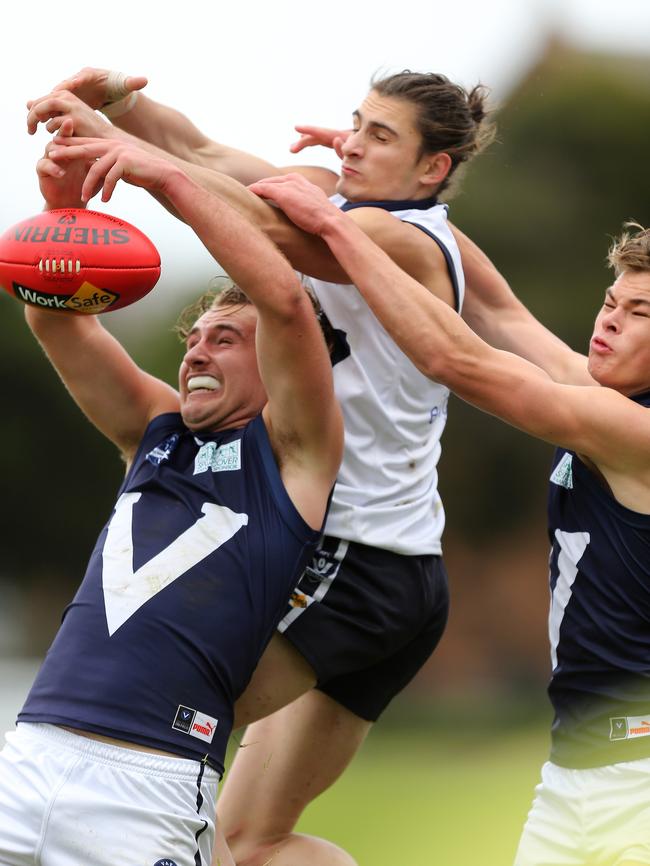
[
  {"x": 97, "y": 87},
  {"x": 311, "y": 136},
  {"x": 304, "y": 203},
  {"x": 61, "y": 187},
  {"x": 60, "y": 106},
  {"x": 110, "y": 161}
]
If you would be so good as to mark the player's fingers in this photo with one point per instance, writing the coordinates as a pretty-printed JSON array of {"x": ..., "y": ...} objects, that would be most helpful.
[
  {"x": 68, "y": 154},
  {"x": 110, "y": 181},
  {"x": 86, "y": 153},
  {"x": 277, "y": 178},
  {"x": 47, "y": 168},
  {"x": 66, "y": 128},
  {"x": 265, "y": 189},
  {"x": 32, "y": 103},
  {"x": 69, "y": 84},
  {"x": 95, "y": 179},
  {"x": 45, "y": 108},
  {"x": 39, "y": 111},
  {"x": 303, "y": 142},
  {"x": 337, "y": 144},
  {"x": 66, "y": 148},
  {"x": 136, "y": 82},
  {"x": 259, "y": 188},
  {"x": 79, "y": 79},
  {"x": 54, "y": 124}
]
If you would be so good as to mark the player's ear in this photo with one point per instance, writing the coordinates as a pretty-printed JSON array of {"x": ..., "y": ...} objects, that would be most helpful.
[{"x": 435, "y": 168}]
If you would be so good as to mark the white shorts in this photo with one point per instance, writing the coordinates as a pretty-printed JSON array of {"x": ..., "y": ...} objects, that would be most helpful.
[
  {"x": 594, "y": 817},
  {"x": 66, "y": 800}
]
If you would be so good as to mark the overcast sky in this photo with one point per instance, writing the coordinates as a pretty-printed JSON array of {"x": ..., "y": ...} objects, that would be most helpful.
[{"x": 246, "y": 72}]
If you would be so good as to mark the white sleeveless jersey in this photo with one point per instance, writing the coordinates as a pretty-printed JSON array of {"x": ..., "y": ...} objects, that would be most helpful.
[{"x": 386, "y": 494}]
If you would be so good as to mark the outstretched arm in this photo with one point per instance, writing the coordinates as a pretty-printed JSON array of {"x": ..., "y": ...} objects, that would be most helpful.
[
  {"x": 307, "y": 253},
  {"x": 493, "y": 311},
  {"x": 130, "y": 110},
  {"x": 302, "y": 415},
  {"x": 113, "y": 392},
  {"x": 595, "y": 421}
]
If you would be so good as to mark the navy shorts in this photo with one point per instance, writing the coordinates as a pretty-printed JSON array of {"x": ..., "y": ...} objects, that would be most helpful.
[{"x": 366, "y": 620}]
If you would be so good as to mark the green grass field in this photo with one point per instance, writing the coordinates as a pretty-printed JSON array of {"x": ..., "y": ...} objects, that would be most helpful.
[{"x": 431, "y": 798}]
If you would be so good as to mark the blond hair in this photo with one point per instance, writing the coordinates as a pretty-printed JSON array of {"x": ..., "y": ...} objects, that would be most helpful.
[
  {"x": 630, "y": 251},
  {"x": 223, "y": 292}
]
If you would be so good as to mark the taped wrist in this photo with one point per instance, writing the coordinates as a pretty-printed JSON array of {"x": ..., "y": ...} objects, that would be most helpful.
[
  {"x": 119, "y": 100},
  {"x": 115, "y": 109}
]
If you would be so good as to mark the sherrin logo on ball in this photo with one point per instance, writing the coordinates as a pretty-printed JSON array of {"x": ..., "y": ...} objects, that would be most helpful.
[{"x": 77, "y": 261}]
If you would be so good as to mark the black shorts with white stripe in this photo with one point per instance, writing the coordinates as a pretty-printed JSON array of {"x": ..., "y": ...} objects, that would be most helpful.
[{"x": 366, "y": 620}]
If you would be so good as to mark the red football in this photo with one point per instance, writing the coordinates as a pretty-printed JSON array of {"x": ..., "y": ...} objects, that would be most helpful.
[{"x": 77, "y": 261}]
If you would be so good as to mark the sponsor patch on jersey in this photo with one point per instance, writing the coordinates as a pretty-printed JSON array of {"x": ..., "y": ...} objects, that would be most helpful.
[
  {"x": 629, "y": 727},
  {"x": 183, "y": 719},
  {"x": 163, "y": 450},
  {"x": 222, "y": 458},
  {"x": 194, "y": 723},
  {"x": 562, "y": 475}
]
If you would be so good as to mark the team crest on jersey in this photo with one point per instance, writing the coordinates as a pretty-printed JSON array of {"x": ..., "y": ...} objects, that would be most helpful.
[
  {"x": 163, "y": 450},
  {"x": 562, "y": 475},
  {"x": 165, "y": 862},
  {"x": 218, "y": 458},
  {"x": 190, "y": 721}
]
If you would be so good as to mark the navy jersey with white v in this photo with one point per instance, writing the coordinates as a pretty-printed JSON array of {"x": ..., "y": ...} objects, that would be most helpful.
[
  {"x": 599, "y": 621},
  {"x": 183, "y": 590}
]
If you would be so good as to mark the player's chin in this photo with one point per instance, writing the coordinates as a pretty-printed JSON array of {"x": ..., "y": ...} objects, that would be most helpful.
[
  {"x": 196, "y": 416},
  {"x": 347, "y": 188}
]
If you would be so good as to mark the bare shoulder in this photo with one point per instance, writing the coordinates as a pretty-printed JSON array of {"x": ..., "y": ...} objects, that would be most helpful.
[
  {"x": 612, "y": 430},
  {"x": 409, "y": 247},
  {"x": 626, "y": 466}
]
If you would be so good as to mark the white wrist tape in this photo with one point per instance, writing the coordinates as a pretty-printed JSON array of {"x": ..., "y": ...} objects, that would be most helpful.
[
  {"x": 116, "y": 109},
  {"x": 118, "y": 99},
  {"x": 115, "y": 87}
]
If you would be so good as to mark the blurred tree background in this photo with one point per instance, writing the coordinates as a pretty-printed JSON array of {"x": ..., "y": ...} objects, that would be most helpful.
[{"x": 568, "y": 167}]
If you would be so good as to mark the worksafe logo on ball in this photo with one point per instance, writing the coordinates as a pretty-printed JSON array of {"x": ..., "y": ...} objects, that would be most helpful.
[
  {"x": 190, "y": 721},
  {"x": 87, "y": 299}
]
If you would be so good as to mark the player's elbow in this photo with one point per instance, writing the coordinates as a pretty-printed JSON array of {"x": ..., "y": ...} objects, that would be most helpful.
[{"x": 438, "y": 356}]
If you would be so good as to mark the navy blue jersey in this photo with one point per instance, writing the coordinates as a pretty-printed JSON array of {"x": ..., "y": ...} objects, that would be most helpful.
[
  {"x": 183, "y": 591},
  {"x": 599, "y": 621}
]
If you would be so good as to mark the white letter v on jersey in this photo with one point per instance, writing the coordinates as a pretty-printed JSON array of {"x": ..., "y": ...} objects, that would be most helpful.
[{"x": 126, "y": 590}]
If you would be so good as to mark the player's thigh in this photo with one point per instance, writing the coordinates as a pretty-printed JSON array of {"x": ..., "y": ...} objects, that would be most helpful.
[
  {"x": 621, "y": 812},
  {"x": 25, "y": 778},
  {"x": 118, "y": 805},
  {"x": 554, "y": 826},
  {"x": 105, "y": 816},
  {"x": 284, "y": 762},
  {"x": 281, "y": 676}
]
